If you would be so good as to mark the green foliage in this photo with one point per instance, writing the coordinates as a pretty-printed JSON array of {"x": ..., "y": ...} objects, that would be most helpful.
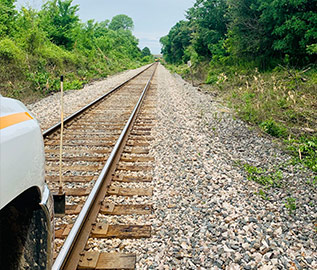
[
  {"x": 209, "y": 23},
  {"x": 183, "y": 70},
  {"x": 313, "y": 181},
  {"x": 294, "y": 27},
  {"x": 281, "y": 102},
  {"x": 42, "y": 45},
  {"x": 121, "y": 22},
  {"x": 176, "y": 42},
  {"x": 273, "y": 128},
  {"x": 304, "y": 151},
  {"x": 312, "y": 49},
  {"x": 262, "y": 194},
  {"x": 212, "y": 78},
  {"x": 59, "y": 20},
  {"x": 7, "y": 17},
  {"x": 263, "y": 177},
  {"x": 290, "y": 204},
  {"x": 146, "y": 52},
  {"x": 248, "y": 36},
  {"x": 253, "y": 33},
  {"x": 9, "y": 52},
  {"x": 75, "y": 84}
]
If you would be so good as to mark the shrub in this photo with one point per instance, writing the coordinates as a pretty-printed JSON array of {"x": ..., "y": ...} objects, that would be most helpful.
[{"x": 9, "y": 52}]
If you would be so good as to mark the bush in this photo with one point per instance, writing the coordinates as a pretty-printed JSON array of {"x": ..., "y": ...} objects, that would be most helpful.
[
  {"x": 9, "y": 52},
  {"x": 56, "y": 56}
]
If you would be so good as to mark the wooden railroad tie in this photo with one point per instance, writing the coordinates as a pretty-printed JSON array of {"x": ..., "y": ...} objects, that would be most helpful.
[
  {"x": 76, "y": 191},
  {"x": 126, "y": 158},
  {"x": 82, "y": 168},
  {"x": 112, "y": 209},
  {"x": 106, "y": 261},
  {"x": 136, "y": 143},
  {"x": 126, "y": 209},
  {"x": 130, "y": 191},
  {"x": 127, "y": 178},
  {"x": 75, "y": 159},
  {"x": 137, "y": 150},
  {"x": 78, "y": 152},
  {"x": 73, "y": 143},
  {"x": 77, "y": 179},
  {"x": 136, "y": 168},
  {"x": 141, "y": 138},
  {"x": 141, "y": 132},
  {"x": 106, "y": 231}
]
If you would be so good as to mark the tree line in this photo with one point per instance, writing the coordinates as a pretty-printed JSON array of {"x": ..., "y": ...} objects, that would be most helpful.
[
  {"x": 262, "y": 33},
  {"x": 36, "y": 46}
]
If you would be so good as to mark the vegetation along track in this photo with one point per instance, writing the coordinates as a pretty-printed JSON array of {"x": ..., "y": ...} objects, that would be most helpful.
[{"x": 105, "y": 149}]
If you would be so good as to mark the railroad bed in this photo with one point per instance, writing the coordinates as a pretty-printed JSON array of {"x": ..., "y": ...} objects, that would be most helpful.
[
  {"x": 88, "y": 142},
  {"x": 207, "y": 214}
]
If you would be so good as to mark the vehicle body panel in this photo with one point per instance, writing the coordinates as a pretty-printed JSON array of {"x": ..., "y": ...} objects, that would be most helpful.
[
  {"x": 26, "y": 204},
  {"x": 21, "y": 153}
]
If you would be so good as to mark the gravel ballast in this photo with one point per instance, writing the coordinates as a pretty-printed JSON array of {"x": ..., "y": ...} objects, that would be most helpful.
[{"x": 207, "y": 214}]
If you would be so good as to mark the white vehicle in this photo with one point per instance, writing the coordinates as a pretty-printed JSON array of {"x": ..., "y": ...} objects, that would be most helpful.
[{"x": 26, "y": 205}]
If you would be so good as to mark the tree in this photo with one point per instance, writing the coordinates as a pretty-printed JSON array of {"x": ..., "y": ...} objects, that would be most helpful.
[
  {"x": 208, "y": 21},
  {"x": 7, "y": 17},
  {"x": 176, "y": 42},
  {"x": 295, "y": 28},
  {"x": 122, "y": 22},
  {"x": 146, "y": 52},
  {"x": 59, "y": 21},
  {"x": 249, "y": 39},
  {"x": 260, "y": 32},
  {"x": 101, "y": 28},
  {"x": 265, "y": 31},
  {"x": 30, "y": 36}
]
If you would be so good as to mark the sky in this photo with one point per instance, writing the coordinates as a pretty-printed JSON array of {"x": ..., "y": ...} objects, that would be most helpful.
[{"x": 152, "y": 18}]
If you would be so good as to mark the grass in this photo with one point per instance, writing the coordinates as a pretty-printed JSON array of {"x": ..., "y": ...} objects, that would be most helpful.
[{"x": 281, "y": 102}]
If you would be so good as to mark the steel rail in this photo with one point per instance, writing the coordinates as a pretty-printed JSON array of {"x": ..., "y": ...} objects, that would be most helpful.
[
  {"x": 70, "y": 241},
  {"x": 52, "y": 129}
]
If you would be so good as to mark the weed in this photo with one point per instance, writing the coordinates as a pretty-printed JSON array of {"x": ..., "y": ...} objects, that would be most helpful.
[
  {"x": 304, "y": 151},
  {"x": 262, "y": 194},
  {"x": 274, "y": 129},
  {"x": 312, "y": 181},
  {"x": 290, "y": 204},
  {"x": 75, "y": 84},
  {"x": 212, "y": 79},
  {"x": 263, "y": 177}
]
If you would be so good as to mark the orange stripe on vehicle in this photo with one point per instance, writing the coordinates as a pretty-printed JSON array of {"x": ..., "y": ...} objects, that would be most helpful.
[{"x": 13, "y": 119}]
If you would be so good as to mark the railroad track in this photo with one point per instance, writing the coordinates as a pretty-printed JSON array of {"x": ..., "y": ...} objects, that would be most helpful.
[{"x": 106, "y": 155}]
